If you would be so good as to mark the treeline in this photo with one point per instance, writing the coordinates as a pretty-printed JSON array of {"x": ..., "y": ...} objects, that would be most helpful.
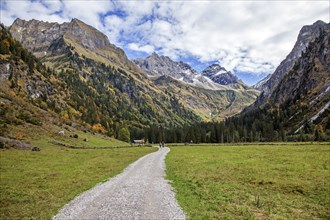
[{"x": 260, "y": 125}]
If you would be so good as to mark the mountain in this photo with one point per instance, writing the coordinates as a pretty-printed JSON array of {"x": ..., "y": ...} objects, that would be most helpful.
[
  {"x": 99, "y": 85},
  {"x": 51, "y": 42},
  {"x": 299, "y": 89},
  {"x": 307, "y": 34},
  {"x": 304, "y": 92},
  {"x": 210, "y": 104},
  {"x": 295, "y": 106},
  {"x": 202, "y": 93},
  {"x": 155, "y": 66},
  {"x": 219, "y": 75},
  {"x": 260, "y": 84}
]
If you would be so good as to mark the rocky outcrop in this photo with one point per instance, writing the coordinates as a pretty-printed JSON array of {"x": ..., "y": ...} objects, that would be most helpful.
[
  {"x": 17, "y": 144},
  {"x": 155, "y": 66},
  {"x": 220, "y": 75},
  {"x": 49, "y": 40}
]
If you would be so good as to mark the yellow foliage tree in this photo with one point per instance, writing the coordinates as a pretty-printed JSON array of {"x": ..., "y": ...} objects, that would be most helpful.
[{"x": 98, "y": 128}]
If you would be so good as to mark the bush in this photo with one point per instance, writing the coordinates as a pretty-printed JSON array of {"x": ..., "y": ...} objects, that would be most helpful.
[{"x": 124, "y": 134}]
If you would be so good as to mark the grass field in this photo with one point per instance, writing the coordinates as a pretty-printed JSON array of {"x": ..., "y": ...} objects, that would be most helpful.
[
  {"x": 94, "y": 140},
  {"x": 34, "y": 185},
  {"x": 252, "y": 182}
]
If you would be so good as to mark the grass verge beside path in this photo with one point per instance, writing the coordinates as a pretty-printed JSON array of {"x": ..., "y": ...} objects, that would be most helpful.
[
  {"x": 252, "y": 182},
  {"x": 34, "y": 185}
]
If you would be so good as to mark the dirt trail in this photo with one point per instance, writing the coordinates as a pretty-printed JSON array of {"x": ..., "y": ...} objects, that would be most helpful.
[{"x": 140, "y": 192}]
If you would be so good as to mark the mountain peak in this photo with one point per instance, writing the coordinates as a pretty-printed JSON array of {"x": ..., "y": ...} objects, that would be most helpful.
[
  {"x": 307, "y": 34},
  {"x": 319, "y": 23},
  {"x": 46, "y": 39},
  {"x": 220, "y": 75},
  {"x": 154, "y": 54},
  {"x": 155, "y": 66}
]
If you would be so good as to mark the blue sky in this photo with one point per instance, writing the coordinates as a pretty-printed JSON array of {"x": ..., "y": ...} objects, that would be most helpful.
[{"x": 249, "y": 38}]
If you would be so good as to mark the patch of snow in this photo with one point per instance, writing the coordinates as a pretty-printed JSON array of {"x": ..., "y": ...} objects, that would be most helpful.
[
  {"x": 320, "y": 112},
  {"x": 220, "y": 72},
  {"x": 319, "y": 96},
  {"x": 312, "y": 119}
]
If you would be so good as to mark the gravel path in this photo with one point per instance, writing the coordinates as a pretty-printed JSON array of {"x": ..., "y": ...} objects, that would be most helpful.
[{"x": 140, "y": 192}]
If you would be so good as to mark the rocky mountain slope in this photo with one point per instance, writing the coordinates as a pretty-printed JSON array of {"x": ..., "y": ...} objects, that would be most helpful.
[
  {"x": 259, "y": 84},
  {"x": 211, "y": 94},
  {"x": 299, "y": 89},
  {"x": 100, "y": 86},
  {"x": 155, "y": 66},
  {"x": 52, "y": 41},
  {"x": 307, "y": 34},
  {"x": 209, "y": 104},
  {"x": 219, "y": 75}
]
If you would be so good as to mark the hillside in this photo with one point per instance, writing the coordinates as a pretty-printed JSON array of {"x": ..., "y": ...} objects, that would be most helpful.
[
  {"x": 210, "y": 104},
  {"x": 88, "y": 92},
  {"x": 299, "y": 89},
  {"x": 99, "y": 65}
]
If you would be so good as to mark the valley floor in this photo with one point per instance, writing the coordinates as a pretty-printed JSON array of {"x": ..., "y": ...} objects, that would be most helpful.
[
  {"x": 269, "y": 181},
  {"x": 35, "y": 185}
]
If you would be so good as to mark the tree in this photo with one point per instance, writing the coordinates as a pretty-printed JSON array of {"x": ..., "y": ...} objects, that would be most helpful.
[
  {"x": 3, "y": 48},
  {"x": 124, "y": 134}
]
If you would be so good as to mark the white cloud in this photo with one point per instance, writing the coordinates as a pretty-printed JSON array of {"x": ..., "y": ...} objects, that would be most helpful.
[
  {"x": 146, "y": 48},
  {"x": 249, "y": 36}
]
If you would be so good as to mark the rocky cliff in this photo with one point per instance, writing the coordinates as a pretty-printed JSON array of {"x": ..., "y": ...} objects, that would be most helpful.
[
  {"x": 51, "y": 42},
  {"x": 306, "y": 35}
]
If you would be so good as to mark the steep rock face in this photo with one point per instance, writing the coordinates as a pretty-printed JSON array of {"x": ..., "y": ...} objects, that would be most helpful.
[
  {"x": 304, "y": 92},
  {"x": 220, "y": 75},
  {"x": 307, "y": 34},
  {"x": 299, "y": 90},
  {"x": 48, "y": 41},
  {"x": 155, "y": 66}
]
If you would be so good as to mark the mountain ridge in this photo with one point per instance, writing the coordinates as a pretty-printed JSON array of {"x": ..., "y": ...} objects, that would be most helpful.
[{"x": 305, "y": 36}]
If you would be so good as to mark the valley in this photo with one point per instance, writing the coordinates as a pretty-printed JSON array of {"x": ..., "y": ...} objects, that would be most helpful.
[{"x": 75, "y": 110}]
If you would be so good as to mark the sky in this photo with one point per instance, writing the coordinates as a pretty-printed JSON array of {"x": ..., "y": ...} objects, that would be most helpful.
[{"x": 249, "y": 38}]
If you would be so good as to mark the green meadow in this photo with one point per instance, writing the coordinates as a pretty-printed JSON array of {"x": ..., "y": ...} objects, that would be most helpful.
[
  {"x": 289, "y": 181},
  {"x": 34, "y": 185}
]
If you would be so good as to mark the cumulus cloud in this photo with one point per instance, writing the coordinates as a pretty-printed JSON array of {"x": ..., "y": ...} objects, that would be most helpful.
[
  {"x": 146, "y": 48},
  {"x": 243, "y": 36}
]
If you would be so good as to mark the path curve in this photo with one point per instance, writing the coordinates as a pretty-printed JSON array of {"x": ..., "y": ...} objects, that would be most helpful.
[{"x": 140, "y": 192}]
